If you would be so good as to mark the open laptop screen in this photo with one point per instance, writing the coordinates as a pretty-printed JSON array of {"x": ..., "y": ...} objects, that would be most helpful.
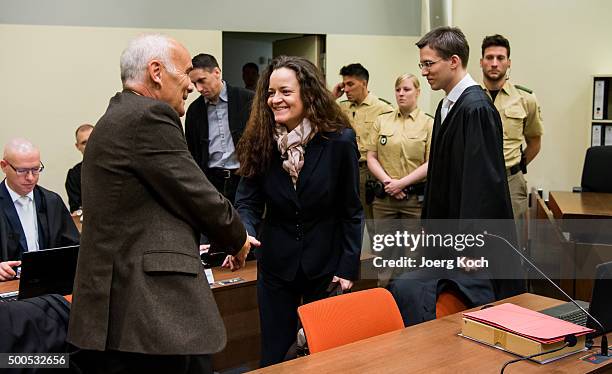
[{"x": 48, "y": 271}]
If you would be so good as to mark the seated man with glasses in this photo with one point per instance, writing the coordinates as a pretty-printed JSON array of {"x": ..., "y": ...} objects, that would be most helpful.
[{"x": 31, "y": 217}]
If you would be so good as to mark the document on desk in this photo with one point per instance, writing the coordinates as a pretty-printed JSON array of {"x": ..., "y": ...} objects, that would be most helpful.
[
  {"x": 209, "y": 276},
  {"x": 528, "y": 323}
]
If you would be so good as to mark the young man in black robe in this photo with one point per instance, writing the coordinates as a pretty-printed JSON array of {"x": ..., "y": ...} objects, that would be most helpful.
[{"x": 466, "y": 177}]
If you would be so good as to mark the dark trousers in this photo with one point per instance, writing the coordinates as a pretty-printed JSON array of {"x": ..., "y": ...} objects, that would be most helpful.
[
  {"x": 115, "y": 362},
  {"x": 278, "y": 302},
  {"x": 224, "y": 182}
]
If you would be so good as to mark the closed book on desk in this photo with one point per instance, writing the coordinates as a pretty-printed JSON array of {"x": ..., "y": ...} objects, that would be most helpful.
[{"x": 522, "y": 331}]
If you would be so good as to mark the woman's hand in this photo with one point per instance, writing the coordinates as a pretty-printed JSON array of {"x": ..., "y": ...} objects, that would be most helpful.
[
  {"x": 394, "y": 186},
  {"x": 236, "y": 262},
  {"x": 399, "y": 196},
  {"x": 345, "y": 284}
]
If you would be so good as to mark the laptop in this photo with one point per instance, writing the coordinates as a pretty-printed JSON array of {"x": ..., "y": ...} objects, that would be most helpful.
[
  {"x": 600, "y": 306},
  {"x": 45, "y": 272}
]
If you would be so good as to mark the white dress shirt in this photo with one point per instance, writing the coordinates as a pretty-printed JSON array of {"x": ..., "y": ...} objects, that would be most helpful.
[
  {"x": 26, "y": 210},
  {"x": 453, "y": 95}
]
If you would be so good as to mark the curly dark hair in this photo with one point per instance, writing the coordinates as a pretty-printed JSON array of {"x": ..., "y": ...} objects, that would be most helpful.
[{"x": 256, "y": 147}]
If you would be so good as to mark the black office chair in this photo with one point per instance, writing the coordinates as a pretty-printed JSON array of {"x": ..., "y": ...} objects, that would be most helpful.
[{"x": 596, "y": 175}]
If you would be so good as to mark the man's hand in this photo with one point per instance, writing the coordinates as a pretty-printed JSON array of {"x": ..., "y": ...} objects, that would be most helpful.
[
  {"x": 345, "y": 284},
  {"x": 338, "y": 90},
  {"x": 6, "y": 270},
  {"x": 236, "y": 262}
]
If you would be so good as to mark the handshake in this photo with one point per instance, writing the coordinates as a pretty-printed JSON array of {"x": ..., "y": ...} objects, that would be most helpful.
[{"x": 238, "y": 261}]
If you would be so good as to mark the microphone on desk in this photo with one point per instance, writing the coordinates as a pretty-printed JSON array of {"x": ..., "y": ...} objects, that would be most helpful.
[
  {"x": 604, "y": 338},
  {"x": 570, "y": 341}
]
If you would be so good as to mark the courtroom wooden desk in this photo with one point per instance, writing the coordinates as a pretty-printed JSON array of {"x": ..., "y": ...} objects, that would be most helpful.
[
  {"x": 432, "y": 347},
  {"x": 237, "y": 303},
  {"x": 9, "y": 286},
  {"x": 568, "y": 205}
]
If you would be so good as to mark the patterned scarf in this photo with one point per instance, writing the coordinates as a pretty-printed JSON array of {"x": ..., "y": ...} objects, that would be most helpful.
[{"x": 291, "y": 146}]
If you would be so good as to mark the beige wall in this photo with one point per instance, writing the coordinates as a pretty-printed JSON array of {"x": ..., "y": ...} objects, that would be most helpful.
[
  {"x": 557, "y": 45},
  {"x": 385, "y": 57},
  {"x": 55, "y": 78}
]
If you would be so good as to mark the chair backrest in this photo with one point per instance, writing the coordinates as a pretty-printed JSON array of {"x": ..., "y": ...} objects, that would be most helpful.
[
  {"x": 347, "y": 318},
  {"x": 450, "y": 301},
  {"x": 596, "y": 175}
]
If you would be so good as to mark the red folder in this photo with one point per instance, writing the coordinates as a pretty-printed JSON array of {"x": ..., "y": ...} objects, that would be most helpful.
[{"x": 528, "y": 323}]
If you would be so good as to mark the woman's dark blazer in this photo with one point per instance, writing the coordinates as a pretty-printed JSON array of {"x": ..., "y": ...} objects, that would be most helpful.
[{"x": 317, "y": 225}]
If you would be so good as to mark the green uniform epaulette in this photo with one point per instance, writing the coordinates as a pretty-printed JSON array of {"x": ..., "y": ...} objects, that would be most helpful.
[
  {"x": 384, "y": 101},
  {"x": 429, "y": 115},
  {"x": 523, "y": 88}
]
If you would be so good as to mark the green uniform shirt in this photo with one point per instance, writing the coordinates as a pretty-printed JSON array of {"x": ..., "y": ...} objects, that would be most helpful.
[
  {"x": 521, "y": 118},
  {"x": 401, "y": 143},
  {"x": 362, "y": 117}
]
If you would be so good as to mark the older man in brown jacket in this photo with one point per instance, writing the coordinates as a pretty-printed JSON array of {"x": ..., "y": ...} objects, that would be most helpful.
[{"x": 141, "y": 299}]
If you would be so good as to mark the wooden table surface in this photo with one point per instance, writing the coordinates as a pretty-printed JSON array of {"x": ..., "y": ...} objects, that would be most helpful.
[
  {"x": 566, "y": 204},
  {"x": 237, "y": 303},
  {"x": 431, "y": 347},
  {"x": 9, "y": 286},
  {"x": 247, "y": 275}
]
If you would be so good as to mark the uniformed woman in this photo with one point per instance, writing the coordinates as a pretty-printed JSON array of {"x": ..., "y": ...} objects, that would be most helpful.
[{"x": 398, "y": 150}]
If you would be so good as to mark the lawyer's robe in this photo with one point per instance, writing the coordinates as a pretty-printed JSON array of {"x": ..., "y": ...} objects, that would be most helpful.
[{"x": 466, "y": 180}]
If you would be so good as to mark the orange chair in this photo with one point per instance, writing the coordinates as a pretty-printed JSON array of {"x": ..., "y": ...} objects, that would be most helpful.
[
  {"x": 347, "y": 318},
  {"x": 450, "y": 301}
]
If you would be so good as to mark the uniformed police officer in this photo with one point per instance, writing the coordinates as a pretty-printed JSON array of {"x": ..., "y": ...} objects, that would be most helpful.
[
  {"x": 398, "y": 150},
  {"x": 520, "y": 115},
  {"x": 362, "y": 107}
]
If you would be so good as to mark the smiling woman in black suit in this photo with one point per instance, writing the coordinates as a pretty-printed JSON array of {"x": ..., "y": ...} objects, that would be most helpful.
[{"x": 298, "y": 160}]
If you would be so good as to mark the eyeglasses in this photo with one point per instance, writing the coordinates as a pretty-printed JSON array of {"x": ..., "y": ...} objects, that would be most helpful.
[
  {"x": 25, "y": 171},
  {"x": 428, "y": 64}
]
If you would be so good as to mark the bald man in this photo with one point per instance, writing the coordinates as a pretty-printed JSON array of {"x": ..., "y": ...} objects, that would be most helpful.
[{"x": 31, "y": 217}]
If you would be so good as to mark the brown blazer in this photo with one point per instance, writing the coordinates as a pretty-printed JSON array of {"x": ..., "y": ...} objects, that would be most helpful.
[{"x": 140, "y": 284}]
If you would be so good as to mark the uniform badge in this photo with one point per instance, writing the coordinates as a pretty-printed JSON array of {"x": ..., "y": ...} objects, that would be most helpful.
[{"x": 383, "y": 140}]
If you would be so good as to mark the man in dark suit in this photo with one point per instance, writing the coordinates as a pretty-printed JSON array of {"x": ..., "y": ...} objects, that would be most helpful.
[
  {"x": 73, "y": 178},
  {"x": 31, "y": 217},
  {"x": 141, "y": 299},
  {"x": 215, "y": 122}
]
